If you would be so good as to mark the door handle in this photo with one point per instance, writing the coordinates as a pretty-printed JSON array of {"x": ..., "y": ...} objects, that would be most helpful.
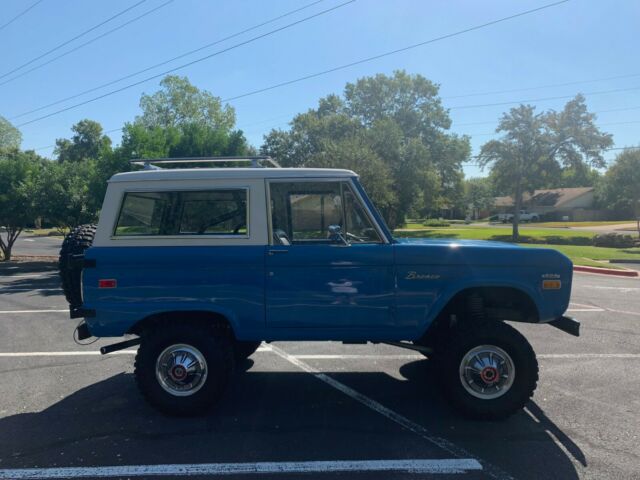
[{"x": 273, "y": 252}]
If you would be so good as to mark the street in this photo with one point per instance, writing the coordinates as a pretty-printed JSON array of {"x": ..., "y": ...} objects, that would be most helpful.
[{"x": 64, "y": 405}]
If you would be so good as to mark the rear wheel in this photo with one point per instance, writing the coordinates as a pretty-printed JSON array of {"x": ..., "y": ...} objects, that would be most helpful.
[
  {"x": 489, "y": 370},
  {"x": 182, "y": 370}
]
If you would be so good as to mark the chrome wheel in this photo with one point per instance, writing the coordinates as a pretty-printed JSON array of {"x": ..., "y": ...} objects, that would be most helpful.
[
  {"x": 487, "y": 372},
  {"x": 181, "y": 370}
]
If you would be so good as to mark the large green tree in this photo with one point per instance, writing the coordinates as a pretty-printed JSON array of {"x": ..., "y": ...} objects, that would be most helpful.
[
  {"x": 64, "y": 193},
  {"x": 87, "y": 142},
  {"x": 535, "y": 147},
  {"x": 19, "y": 173},
  {"x": 10, "y": 136},
  {"x": 181, "y": 120},
  {"x": 397, "y": 125},
  {"x": 178, "y": 102},
  {"x": 621, "y": 185}
]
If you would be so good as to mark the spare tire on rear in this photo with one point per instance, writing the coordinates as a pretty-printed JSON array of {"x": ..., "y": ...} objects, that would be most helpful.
[{"x": 75, "y": 243}]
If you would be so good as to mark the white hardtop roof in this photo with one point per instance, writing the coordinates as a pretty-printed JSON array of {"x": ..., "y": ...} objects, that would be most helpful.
[{"x": 230, "y": 173}]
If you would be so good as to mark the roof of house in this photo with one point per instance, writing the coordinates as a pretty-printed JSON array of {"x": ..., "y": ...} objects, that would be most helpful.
[{"x": 554, "y": 197}]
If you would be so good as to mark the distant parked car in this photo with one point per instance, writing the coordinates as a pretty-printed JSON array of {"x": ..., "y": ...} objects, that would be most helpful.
[{"x": 524, "y": 217}]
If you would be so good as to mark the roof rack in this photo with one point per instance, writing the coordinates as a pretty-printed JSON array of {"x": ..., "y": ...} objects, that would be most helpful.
[{"x": 256, "y": 162}]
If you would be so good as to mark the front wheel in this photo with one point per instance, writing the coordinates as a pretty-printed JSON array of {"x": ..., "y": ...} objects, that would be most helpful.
[
  {"x": 489, "y": 371},
  {"x": 182, "y": 370}
]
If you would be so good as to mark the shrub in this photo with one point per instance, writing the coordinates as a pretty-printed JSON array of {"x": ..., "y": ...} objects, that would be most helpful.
[
  {"x": 614, "y": 240},
  {"x": 435, "y": 222}
]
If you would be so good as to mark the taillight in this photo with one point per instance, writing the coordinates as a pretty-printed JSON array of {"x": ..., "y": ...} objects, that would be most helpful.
[{"x": 107, "y": 283}]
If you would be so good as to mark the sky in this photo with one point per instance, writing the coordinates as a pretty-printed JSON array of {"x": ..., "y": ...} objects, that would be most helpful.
[{"x": 580, "y": 46}]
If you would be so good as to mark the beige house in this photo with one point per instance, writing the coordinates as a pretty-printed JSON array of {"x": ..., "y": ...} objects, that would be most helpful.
[{"x": 574, "y": 204}]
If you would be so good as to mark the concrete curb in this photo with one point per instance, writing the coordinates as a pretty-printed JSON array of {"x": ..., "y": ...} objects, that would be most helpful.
[{"x": 605, "y": 271}]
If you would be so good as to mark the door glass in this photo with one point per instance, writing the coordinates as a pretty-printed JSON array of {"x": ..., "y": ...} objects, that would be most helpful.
[
  {"x": 359, "y": 228},
  {"x": 302, "y": 212}
]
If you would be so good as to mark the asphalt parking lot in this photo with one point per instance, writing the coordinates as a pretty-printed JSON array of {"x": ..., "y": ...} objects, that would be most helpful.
[{"x": 331, "y": 410}]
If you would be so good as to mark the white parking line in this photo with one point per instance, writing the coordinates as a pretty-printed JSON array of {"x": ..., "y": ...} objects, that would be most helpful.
[
  {"x": 377, "y": 407},
  {"x": 64, "y": 354},
  {"x": 418, "y": 357},
  {"x": 34, "y": 275},
  {"x": 586, "y": 310},
  {"x": 588, "y": 355},
  {"x": 358, "y": 357},
  {"x": 12, "y": 289},
  {"x": 619, "y": 289},
  {"x": 435, "y": 466},
  {"x": 66, "y": 310}
]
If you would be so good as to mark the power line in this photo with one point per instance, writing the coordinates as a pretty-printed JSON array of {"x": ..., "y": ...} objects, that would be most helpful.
[
  {"x": 544, "y": 99},
  {"x": 51, "y": 146},
  {"x": 552, "y": 85},
  {"x": 193, "y": 62},
  {"x": 393, "y": 52},
  {"x": 93, "y": 89},
  {"x": 600, "y": 125},
  {"x": 3, "y": 26},
  {"x": 57, "y": 47},
  {"x": 108, "y": 32}
]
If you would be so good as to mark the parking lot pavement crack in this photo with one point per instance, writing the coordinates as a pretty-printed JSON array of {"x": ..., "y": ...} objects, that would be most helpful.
[{"x": 491, "y": 470}]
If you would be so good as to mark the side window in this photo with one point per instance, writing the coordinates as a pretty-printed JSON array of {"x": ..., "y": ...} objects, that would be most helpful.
[
  {"x": 218, "y": 212},
  {"x": 302, "y": 212},
  {"x": 210, "y": 212},
  {"x": 142, "y": 213}
]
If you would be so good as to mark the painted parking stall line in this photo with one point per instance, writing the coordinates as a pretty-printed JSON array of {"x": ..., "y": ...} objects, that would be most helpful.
[
  {"x": 579, "y": 356},
  {"x": 66, "y": 310},
  {"x": 444, "y": 444},
  {"x": 444, "y": 466}
]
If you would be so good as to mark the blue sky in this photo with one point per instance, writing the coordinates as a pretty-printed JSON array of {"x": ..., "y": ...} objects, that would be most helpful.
[{"x": 577, "y": 41}]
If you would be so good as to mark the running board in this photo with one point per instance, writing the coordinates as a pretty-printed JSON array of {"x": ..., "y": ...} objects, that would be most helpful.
[
  {"x": 411, "y": 346},
  {"x": 567, "y": 325}
]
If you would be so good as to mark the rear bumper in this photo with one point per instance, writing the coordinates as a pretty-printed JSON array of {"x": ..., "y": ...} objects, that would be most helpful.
[{"x": 567, "y": 325}]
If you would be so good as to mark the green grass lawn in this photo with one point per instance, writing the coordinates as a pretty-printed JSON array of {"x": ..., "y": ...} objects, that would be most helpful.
[
  {"x": 529, "y": 235},
  {"x": 581, "y": 224},
  {"x": 535, "y": 237}
]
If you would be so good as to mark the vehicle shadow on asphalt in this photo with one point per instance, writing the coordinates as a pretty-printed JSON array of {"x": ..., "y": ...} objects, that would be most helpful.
[
  {"x": 45, "y": 286},
  {"x": 8, "y": 269},
  {"x": 278, "y": 416}
]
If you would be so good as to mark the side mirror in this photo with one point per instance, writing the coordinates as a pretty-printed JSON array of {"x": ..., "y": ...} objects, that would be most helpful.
[{"x": 335, "y": 234}]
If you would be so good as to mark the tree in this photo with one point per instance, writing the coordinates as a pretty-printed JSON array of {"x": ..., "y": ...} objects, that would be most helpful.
[
  {"x": 621, "y": 184},
  {"x": 181, "y": 120},
  {"x": 412, "y": 164},
  {"x": 478, "y": 195},
  {"x": 88, "y": 142},
  {"x": 535, "y": 148},
  {"x": 10, "y": 136},
  {"x": 179, "y": 102},
  {"x": 64, "y": 194},
  {"x": 19, "y": 172}
]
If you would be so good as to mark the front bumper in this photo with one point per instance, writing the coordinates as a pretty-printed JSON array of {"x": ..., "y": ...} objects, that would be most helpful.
[{"x": 567, "y": 325}]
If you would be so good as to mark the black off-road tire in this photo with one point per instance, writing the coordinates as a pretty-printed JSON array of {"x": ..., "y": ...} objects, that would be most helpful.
[
  {"x": 214, "y": 344},
  {"x": 76, "y": 242},
  {"x": 507, "y": 338},
  {"x": 244, "y": 350}
]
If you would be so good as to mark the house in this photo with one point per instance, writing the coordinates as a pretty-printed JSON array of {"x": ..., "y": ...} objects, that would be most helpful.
[{"x": 576, "y": 204}]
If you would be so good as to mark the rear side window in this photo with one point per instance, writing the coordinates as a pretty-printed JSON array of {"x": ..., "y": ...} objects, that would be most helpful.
[{"x": 206, "y": 212}]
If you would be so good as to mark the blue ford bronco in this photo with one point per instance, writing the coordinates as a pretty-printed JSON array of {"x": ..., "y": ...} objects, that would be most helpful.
[{"x": 198, "y": 266}]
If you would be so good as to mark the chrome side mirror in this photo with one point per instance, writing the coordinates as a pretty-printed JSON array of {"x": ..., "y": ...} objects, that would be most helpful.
[{"x": 336, "y": 235}]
